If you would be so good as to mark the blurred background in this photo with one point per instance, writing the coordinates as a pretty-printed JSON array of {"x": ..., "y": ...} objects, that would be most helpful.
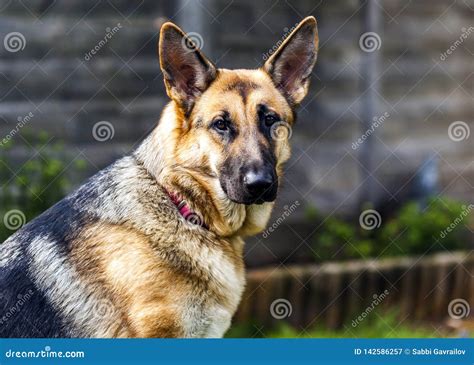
[{"x": 372, "y": 235}]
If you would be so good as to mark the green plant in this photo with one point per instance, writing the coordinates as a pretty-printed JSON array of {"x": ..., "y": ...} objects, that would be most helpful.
[
  {"x": 382, "y": 324},
  {"x": 412, "y": 230},
  {"x": 421, "y": 230},
  {"x": 33, "y": 186},
  {"x": 339, "y": 239}
]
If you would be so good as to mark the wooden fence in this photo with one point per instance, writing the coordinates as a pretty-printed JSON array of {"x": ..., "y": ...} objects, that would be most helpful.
[{"x": 333, "y": 294}]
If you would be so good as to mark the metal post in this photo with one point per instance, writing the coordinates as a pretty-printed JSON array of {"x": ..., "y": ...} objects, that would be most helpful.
[
  {"x": 193, "y": 18},
  {"x": 369, "y": 71}
]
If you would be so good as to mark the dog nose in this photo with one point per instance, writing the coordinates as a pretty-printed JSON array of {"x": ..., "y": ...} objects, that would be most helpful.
[{"x": 258, "y": 182}]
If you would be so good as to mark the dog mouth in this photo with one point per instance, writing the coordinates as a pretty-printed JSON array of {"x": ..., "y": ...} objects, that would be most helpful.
[
  {"x": 258, "y": 201},
  {"x": 243, "y": 196}
]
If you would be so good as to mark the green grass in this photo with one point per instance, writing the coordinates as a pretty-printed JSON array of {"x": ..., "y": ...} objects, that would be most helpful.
[{"x": 386, "y": 325}]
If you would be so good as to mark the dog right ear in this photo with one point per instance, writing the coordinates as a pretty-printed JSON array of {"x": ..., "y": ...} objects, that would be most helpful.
[
  {"x": 291, "y": 65},
  {"x": 187, "y": 72}
]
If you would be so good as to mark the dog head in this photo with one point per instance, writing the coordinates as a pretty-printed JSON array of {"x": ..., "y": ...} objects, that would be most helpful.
[{"x": 234, "y": 125}]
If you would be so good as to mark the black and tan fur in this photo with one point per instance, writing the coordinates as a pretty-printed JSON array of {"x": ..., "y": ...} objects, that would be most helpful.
[{"x": 115, "y": 258}]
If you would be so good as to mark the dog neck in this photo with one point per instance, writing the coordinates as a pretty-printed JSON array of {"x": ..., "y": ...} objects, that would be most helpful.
[
  {"x": 185, "y": 210},
  {"x": 201, "y": 191}
]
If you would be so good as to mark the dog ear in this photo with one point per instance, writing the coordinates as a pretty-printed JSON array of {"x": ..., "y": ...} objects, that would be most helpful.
[
  {"x": 291, "y": 65},
  {"x": 187, "y": 72}
]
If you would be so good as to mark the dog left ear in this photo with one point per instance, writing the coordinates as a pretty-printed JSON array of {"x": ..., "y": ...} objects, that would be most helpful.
[
  {"x": 291, "y": 65},
  {"x": 187, "y": 72}
]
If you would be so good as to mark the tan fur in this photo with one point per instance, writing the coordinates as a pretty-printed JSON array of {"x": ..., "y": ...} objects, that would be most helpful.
[
  {"x": 138, "y": 283},
  {"x": 148, "y": 293}
]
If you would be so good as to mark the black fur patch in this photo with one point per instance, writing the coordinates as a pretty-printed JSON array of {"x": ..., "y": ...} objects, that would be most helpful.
[{"x": 24, "y": 310}]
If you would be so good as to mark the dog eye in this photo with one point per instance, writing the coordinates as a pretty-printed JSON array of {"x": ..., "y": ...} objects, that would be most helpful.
[
  {"x": 221, "y": 125},
  {"x": 270, "y": 120}
]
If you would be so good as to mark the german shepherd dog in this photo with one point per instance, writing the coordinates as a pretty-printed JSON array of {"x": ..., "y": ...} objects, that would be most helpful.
[{"x": 152, "y": 246}]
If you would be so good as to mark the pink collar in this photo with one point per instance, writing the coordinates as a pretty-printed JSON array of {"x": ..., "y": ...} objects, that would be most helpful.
[{"x": 186, "y": 211}]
